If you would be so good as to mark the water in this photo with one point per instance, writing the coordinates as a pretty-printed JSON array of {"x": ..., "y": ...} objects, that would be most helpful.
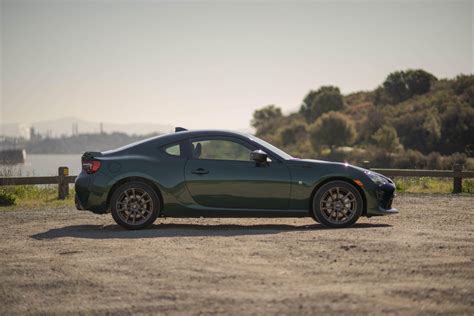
[{"x": 47, "y": 165}]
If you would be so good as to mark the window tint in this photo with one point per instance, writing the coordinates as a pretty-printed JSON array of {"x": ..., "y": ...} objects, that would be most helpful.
[
  {"x": 220, "y": 149},
  {"x": 173, "y": 150}
]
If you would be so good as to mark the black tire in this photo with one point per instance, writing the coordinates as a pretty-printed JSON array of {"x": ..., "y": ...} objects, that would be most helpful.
[
  {"x": 311, "y": 213},
  {"x": 337, "y": 204},
  {"x": 134, "y": 205}
]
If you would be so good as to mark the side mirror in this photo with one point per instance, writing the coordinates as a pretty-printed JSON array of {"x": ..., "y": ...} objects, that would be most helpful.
[{"x": 259, "y": 156}]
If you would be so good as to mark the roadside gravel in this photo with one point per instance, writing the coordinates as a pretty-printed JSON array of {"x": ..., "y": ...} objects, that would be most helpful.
[{"x": 420, "y": 261}]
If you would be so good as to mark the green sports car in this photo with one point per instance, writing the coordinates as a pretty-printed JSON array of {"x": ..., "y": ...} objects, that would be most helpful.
[{"x": 214, "y": 173}]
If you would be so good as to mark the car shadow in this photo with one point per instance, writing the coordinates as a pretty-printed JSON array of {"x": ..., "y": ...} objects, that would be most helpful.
[{"x": 180, "y": 230}]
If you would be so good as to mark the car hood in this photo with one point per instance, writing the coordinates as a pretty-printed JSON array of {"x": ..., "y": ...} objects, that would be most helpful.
[
  {"x": 342, "y": 165},
  {"x": 338, "y": 167}
]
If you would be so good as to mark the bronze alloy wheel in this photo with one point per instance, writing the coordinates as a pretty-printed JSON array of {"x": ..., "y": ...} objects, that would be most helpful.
[
  {"x": 134, "y": 205},
  {"x": 337, "y": 204}
]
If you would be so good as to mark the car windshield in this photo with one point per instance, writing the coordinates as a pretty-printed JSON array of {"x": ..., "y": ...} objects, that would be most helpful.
[{"x": 274, "y": 149}]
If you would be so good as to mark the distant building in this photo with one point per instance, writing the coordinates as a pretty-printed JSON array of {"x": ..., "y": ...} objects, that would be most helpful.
[
  {"x": 75, "y": 129},
  {"x": 34, "y": 135}
]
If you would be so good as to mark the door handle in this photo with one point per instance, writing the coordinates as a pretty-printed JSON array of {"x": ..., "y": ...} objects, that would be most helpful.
[{"x": 200, "y": 171}]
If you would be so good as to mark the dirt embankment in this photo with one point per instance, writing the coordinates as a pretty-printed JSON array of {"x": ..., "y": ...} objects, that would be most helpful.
[{"x": 418, "y": 262}]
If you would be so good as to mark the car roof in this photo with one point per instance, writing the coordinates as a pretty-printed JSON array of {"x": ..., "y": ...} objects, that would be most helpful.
[
  {"x": 181, "y": 135},
  {"x": 211, "y": 132},
  {"x": 177, "y": 136},
  {"x": 165, "y": 139}
]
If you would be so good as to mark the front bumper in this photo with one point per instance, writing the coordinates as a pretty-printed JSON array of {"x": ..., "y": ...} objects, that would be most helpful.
[
  {"x": 382, "y": 211},
  {"x": 382, "y": 202}
]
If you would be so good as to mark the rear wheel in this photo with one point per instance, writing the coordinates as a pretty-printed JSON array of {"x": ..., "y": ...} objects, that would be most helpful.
[
  {"x": 134, "y": 205},
  {"x": 337, "y": 204}
]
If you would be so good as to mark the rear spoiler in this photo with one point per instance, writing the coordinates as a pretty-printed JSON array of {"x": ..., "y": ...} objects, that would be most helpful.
[{"x": 90, "y": 155}]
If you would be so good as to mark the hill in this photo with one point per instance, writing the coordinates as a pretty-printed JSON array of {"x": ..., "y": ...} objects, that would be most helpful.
[{"x": 412, "y": 120}]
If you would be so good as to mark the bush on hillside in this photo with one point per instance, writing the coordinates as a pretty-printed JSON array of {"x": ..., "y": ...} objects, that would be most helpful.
[
  {"x": 386, "y": 138},
  {"x": 438, "y": 120},
  {"x": 316, "y": 103},
  {"x": 293, "y": 134},
  {"x": 264, "y": 118},
  {"x": 402, "y": 85},
  {"x": 332, "y": 129}
]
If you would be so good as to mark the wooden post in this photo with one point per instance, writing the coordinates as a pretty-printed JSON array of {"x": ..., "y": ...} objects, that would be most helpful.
[
  {"x": 63, "y": 186},
  {"x": 457, "y": 180}
]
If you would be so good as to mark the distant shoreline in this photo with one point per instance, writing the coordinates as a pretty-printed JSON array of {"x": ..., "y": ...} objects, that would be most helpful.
[{"x": 72, "y": 145}]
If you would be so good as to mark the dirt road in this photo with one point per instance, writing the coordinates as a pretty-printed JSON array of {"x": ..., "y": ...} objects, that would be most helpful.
[{"x": 418, "y": 262}]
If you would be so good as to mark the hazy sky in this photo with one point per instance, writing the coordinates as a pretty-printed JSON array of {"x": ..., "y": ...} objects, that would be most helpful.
[{"x": 211, "y": 64}]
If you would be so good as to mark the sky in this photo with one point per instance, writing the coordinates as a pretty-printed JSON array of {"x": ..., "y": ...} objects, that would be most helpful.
[{"x": 211, "y": 64}]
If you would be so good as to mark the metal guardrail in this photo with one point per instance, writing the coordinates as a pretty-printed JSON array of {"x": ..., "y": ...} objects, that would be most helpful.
[
  {"x": 457, "y": 174},
  {"x": 63, "y": 179},
  {"x": 424, "y": 173}
]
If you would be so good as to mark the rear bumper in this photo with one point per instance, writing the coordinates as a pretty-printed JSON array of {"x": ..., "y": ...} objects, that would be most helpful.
[
  {"x": 78, "y": 203},
  {"x": 91, "y": 193}
]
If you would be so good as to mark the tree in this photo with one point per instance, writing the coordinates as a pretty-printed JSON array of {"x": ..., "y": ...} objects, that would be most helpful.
[
  {"x": 418, "y": 81},
  {"x": 396, "y": 87},
  {"x": 293, "y": 133},
  {"x": 462, "y": 83},
  {"x": 386, "y": 138},
  {"x": 375, "y": 119},
  {"x": 307, "y": 101},
  {"x": 457, "y": 128},
  {"x": 332, "y": 129},
  {"x": 263, "y": 118},
  {"x": 316, "y": 103},
  {"x": 402, "y": 85},
  {"x": 432, "y": 127}
]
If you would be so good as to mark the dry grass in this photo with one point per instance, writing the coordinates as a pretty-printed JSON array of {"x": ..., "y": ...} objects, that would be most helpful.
[{"x": 431, "y": 185}]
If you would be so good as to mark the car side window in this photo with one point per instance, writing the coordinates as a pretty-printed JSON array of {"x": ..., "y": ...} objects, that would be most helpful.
[
  {"x": 220, "y": 149},
  {"x": 173, "y": 150}
]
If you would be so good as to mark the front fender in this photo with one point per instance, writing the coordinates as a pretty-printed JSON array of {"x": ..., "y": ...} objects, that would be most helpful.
[{"x": 307, "y": 177}]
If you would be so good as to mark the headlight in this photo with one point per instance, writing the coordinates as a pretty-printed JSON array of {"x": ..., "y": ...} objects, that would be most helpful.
[{"x": 377, "y": 179}]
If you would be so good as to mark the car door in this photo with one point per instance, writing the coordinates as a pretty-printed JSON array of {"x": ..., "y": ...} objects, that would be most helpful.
[{"x": 221, "y": 175}]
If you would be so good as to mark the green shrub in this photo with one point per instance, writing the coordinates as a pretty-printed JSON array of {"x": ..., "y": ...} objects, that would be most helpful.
[
  {"x": 424, "y": 185},
  {"x": 332, "y": 129},
  {"x": 468, "y": 186},
  {"x": 293, "y": 134},
  {"x": 7, "y": 198},
  {"x": 316, "y": 103}
]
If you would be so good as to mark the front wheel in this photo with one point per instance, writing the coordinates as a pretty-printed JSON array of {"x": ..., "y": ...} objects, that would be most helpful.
[
  {"x": 134, "y": 205},
  {"x": 337, "y": 204}
]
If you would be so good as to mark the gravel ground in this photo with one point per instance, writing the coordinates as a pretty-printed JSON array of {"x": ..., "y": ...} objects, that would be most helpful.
[{"x": 420, "y": 261}]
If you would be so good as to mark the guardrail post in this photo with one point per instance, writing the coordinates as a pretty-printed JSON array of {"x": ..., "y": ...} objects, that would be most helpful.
[
  {"x": 63, "y": 186},
  {"x": 457, "y": 180}
]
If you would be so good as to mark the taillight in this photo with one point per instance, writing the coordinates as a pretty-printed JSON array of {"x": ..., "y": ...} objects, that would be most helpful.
[{"x": 90, "y": 166}]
